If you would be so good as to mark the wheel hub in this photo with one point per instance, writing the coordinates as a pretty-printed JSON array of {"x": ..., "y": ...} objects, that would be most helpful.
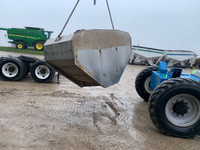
[
  {"x": 39, "y": 46},
  {"x": 20, "y": 46},
  {"x": 43, "y": 71},
  {"x": 180, "y": 108},
  {"x": 147, "y": 85},
  {"x": 11, "y": 69}
]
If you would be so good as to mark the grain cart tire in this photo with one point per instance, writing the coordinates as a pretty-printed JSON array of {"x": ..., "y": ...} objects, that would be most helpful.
[
  {"x": 174, "y": 107},
  {"x": 12, "y": 69},
  {"x": 142, "y": 82},
  {"x": 39, "y": 45},
  {"x": 20, "y": 45},
  {"x": 41, "y": 73}
]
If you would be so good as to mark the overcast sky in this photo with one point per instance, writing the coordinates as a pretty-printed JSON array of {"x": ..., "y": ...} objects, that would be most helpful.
[{"x": 164, "y": 24}]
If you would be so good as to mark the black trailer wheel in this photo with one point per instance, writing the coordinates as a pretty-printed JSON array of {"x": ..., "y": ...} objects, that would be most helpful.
[
  {"x": 39, "y": 45},
  {"x": 41, "y": 73},
  {"x": 142, "y": 82},
  {"x": 174, "y": 107},
  {"x": 12, "y": 69},
  {"x": 20, "y": 45}
]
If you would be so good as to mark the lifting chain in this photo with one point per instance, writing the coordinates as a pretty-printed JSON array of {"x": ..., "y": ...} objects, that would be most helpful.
[{"x": 74, "y": 10}]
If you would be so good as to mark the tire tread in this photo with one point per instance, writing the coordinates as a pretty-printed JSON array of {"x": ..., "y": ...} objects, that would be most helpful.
[{"x": 154, "y": 98}]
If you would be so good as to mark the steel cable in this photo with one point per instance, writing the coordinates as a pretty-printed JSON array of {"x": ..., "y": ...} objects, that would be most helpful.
[
  {"x": 110, "y": 15},
  {"x": 73, "y": 12},
  {"x": 68, "y": 19}
]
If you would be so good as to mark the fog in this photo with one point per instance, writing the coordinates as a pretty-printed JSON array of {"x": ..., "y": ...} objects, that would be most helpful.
[{"x": 164, "y": 24}]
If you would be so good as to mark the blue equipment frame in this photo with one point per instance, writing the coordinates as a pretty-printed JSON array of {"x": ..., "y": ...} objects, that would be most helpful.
[{"x": 161, "y": 75}]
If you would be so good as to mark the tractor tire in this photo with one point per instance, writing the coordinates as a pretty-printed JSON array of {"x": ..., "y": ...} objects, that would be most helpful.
[
  {"x": 12, "y": 69},
  {"x": 41, "y": 73},
  {"x": 142, "y": 82},
  {"x": 174, "y": 107},
  {"x": 39, "y": 45},
  {"x": 20, "y": 45}
]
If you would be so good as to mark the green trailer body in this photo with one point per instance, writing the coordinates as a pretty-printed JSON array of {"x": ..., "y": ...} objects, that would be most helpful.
[{"x": 28, "y": 36}]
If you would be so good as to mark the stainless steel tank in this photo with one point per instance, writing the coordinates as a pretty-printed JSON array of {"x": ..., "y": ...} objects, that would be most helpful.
[{"x": 90, "y": 57}]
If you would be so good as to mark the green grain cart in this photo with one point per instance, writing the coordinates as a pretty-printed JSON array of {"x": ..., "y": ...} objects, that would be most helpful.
[{"x": 28, "y": 36}]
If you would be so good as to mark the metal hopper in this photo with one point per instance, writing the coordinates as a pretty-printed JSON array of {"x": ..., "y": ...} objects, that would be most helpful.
[{"x": 90, "y": 57}]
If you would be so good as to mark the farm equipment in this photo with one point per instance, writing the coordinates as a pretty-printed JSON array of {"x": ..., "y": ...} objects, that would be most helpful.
[
  {"x": 90, "y": 57},
  {"x": 151, "y": 56},
  {"x": 28, "y": 36},
  {"x": 99, "y": 57},
  {"x": 173, "y": 97},
  {"x": 16, "y": 68}
]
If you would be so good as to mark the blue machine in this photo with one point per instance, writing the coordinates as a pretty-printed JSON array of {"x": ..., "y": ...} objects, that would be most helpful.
[
  {"x": 174, "y": 105},
  {"x": 161, "y": 75}
]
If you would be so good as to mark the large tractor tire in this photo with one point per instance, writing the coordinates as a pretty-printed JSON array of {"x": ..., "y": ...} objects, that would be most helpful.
[
  {"x": 142, "y": 82},
  {"x": 39, "y": 45},
  {"x": 41, "y": 73},
  {"x": 174, "y": 107},
  {"x": 20, "y": 45},
  {"x": 12, "y": 69}
]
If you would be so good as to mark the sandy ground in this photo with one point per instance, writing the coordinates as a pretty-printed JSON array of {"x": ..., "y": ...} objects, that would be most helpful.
[{"x": 66, "y": 117}]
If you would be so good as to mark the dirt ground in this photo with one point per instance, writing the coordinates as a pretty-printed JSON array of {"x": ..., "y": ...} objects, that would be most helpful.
[{"x": 64, "y": 116}]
